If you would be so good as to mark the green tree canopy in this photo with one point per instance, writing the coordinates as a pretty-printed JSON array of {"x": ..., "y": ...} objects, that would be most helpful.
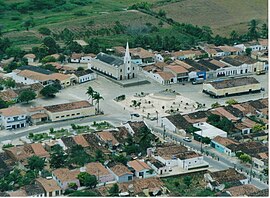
[
  {"x": 49, "y": 91},
  {"x": 36, "y": 163},
  {"x": 87, "y": 180},
  {"x": 57, "y": 157},
  {"x": 114, "y": 190},
  {"x": 27, "y": 96}
]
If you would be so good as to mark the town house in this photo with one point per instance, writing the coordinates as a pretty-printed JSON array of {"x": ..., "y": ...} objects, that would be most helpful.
[{"x": 13, "y": 118}]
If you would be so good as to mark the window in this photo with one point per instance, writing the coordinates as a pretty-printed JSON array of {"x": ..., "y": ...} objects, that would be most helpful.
[
  {"x": 73, "y": 114},
  {"x": 78, "y": 113},
  {"x": 120, "y": 70},
  {"x": 68, "y": 115},
  {"x": 133, "y": 68},
  {"x": 128, "y": 68},
  {"x": 129, "y": 178},
  {"x": 25, "y": 78},
  {"x": 62, "y": 116}
]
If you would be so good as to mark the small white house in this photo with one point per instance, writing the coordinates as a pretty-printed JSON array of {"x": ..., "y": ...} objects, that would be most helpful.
[
  {"x": 13, "y": 118},
  {"x": 142, "y": 170},
  {"x": 208, "y": 130},
  {"x": 85, "y": 75}
]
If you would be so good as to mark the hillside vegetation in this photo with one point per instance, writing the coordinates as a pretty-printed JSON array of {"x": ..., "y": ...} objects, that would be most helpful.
[{"x": 113, "y": 22}]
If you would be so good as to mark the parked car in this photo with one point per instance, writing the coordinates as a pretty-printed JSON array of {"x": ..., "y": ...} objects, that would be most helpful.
[
  {"x": 187, "y": 139},
  {"x": 199, "y": 81},
  {"x": 135, "y": 114}
]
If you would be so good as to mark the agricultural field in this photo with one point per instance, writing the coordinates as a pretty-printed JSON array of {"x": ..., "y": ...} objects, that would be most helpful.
[{"x": 222, "y": 16}]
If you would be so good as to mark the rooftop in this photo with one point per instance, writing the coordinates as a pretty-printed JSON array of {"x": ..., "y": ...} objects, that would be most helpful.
[
  {"x": 177, "y": 69},
  {"x": 242, "y": 190},
  {"x": 222, "y": 112},
  {"x": 136, "y": 125},
  {"x": 207, "y": 130},
  {"x": 235, "y": 82},
  {"x": 120, "y": 170},
  {"x": 65, "y": 175},
  {"x": 187, "y": 155},
  {"x": 33, "y": 189},
  {"x": 68, "y": 106},
  {"x": 224, "y": 141},
  {"x": 79, "y": 139},
  {"x": 49, "y": 185},
  {"x": 97, "y": 169},
  {"x": 110, "y": 59},
  {"x": 170, "y": 150},
  {"x": 228, "y": 175},
  {"x": 8, "y": 95},
  {"x": 165, "y": 75},
  {"x": 140, "y": 52},
  {"x": 107, "y": 136},
  {"x": 178, "y": 121},
  {"x": 138, "y": 165},
  {"x": 12, "y": 111},
  {"x": 83, "y": 72}
]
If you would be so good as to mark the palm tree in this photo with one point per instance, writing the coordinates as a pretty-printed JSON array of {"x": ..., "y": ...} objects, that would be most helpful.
[
  {"x": 96, "y": 96},
  {"x": 90, "y": 92}
]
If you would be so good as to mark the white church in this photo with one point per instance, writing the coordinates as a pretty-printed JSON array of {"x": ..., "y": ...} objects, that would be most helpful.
[{"x": 113, "y": 66}]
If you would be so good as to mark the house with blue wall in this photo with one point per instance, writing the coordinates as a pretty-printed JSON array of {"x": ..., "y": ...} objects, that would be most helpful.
[{"x": 224, "y": 145}]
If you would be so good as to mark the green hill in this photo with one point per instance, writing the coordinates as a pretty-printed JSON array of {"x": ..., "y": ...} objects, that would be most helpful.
[{"x": 97, "y": 18}]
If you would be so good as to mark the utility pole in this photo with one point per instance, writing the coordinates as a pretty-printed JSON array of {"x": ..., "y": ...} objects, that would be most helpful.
[
  {"x": 157, "y": 117},
  {"x": 250, "y": 176}
]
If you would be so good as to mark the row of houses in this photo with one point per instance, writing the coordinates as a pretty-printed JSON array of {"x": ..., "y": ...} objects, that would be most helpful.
[
  {"x": 241, "y": 138},
  {"x": 203, "y": 69},
  {"x": 16, "y": 117},
  {"x": 30, "y": 75}
]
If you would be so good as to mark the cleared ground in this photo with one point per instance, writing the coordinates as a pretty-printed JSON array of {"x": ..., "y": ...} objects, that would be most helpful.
[{"x": 222, "y": 16}]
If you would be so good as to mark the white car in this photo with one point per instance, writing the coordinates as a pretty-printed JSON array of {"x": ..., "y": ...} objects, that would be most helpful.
[{"x": 187, "y": 139}]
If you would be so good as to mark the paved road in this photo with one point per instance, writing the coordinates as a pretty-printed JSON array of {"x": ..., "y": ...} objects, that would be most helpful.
[{"x": 220, "y": 162}]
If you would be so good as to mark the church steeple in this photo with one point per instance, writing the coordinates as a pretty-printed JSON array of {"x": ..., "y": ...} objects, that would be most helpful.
[{"x": 127, "y": 57}]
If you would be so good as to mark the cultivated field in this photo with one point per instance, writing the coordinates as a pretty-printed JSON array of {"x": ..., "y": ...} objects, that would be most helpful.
[{"x": 222, "y": 16}]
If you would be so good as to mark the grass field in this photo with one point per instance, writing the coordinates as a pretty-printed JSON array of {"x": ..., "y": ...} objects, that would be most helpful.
[{"x": 221, "y": 15}]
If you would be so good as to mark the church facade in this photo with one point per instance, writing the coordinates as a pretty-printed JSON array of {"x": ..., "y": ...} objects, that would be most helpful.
[{"x": 114, "y": 67}]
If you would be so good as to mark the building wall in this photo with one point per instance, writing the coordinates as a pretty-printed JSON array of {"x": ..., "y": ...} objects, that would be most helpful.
[
  {"x": 106, "y": 178},
  {"x": 222, "y": 149},
  {"x": 87, "y": 77},
  {"x": 74, "y": 60},
  {"x": 21, "y": 79},
  {"x": 159, "y": 79},
  {"x": 76, "y": 113},
  {"x": 233, "y": 90},
  {"x": 10, "y": 121},
  {"x": 168, "y": 125},
  {"x": 191, "y": 162},
  {"x": 137, "y": 61},
  {"x": 160, "y": 171},
  {"x": 85, "y": 59},
  {"x": 64, "y": 184}
]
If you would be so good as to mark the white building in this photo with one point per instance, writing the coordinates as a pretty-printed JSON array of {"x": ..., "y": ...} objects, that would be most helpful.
[
  {"x": 85, "y": 75},
  {"x": 208, "y": 130},
  {"x": 261, "y": 44},
  {"x": 142, "y": 170},
  {"x": 13, "y": 118},
  {"x": 113, "y": 66}
]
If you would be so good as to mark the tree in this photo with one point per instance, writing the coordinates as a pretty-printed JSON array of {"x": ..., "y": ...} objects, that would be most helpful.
[
  {"x": 48, "y": 59},
  {"x": 51, "y": 44},
  {"x": 75, "y": 47},
  {"x": 187, "y": 180},
  {"x": 27, "y": 96},
  {"x": 213, "y": 118},
  {"x": 99, "y": 155},
  {"x": 90, "y": 92},
  {"x": 3, "y": 104},
  {"x": 234, "y": 36},
  {"x": 57, "y": 157},
  {"x": 215, "y": 105},
  {"x": 97, "y": 97},
  {"x": 87, "y": 193},
  {"x": 15, "y": 52},
  {"x": 258, "y": 127},
  {"x": 28, "y": 23},
  {"x": 120, "y": 158},
  {"x": 114, "y": 190},
  {"x": 44, "y": 30},
  {"x": 78, "y": 156},
  {"x": 36, "y": 163},
  {"x": 231, "y": 102},
  {"x": 49, "y": 91},
  {"x": 248, "y": 51},
  {"x": 80, "y": 69},
  {"x": 10, "y": 83},
  {"x": 253, "y": 29},
  {"x": 245, "y": 158},
  {"x": 264, "y": 31},
  {"x": 87, "y": 180},
  {"x": 62, "y": 58}
]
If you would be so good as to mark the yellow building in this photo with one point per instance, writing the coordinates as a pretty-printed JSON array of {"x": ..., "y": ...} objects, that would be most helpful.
[
  {"x": 232, "y": 87},
  {"x": 71, "y": 110}
]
